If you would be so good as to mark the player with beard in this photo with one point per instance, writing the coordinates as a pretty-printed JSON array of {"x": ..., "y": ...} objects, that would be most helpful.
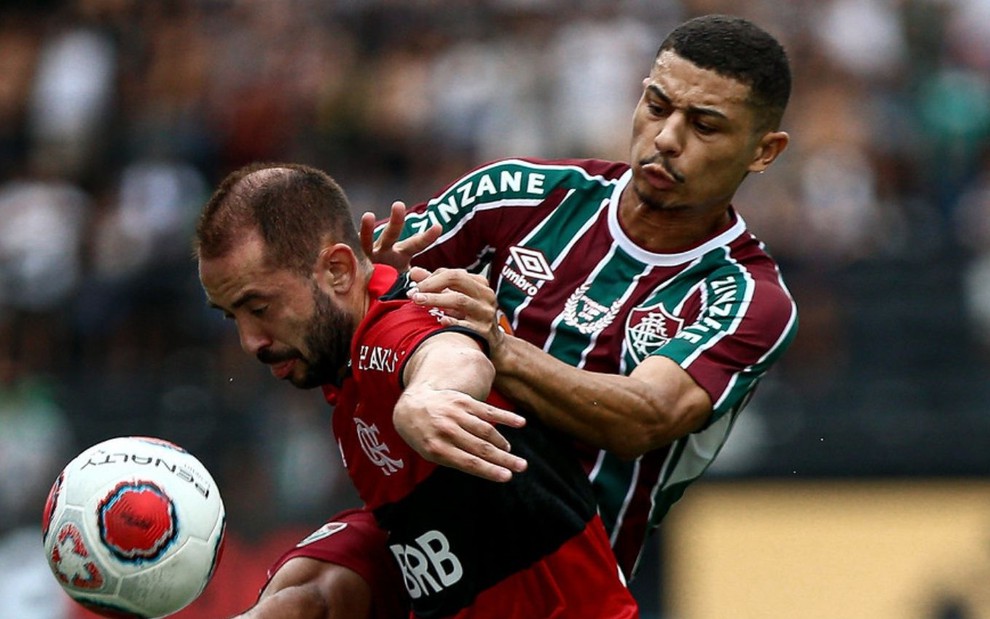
[
  {"x": 636, "y": 287},
  {"x": 279, "y": 254}
]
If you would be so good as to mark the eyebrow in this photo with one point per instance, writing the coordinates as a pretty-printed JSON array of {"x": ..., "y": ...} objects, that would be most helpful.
[
  {"x": 693, "y": 109},
  {"x": 243, "y": 299}
]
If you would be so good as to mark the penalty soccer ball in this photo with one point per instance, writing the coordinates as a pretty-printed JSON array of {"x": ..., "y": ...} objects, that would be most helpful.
[{"x": 134, "y": 527}]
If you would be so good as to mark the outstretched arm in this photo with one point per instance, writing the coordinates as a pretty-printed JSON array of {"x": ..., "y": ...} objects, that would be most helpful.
[
  {"x": 656, "y": 404},
  {"x": 441, "y": 412}
]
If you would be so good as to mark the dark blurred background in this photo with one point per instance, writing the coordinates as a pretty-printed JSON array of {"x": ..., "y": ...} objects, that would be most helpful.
[{"x": 118, "y": 117}]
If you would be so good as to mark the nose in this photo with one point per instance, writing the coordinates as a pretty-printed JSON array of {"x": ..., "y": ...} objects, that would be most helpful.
[
  {"x": 252, "y": 338},
  {"x": 670, "y": 138}
]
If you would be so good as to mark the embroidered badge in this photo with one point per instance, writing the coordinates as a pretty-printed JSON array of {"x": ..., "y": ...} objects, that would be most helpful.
[
  {"x": 587, "y": 315},
  {"x": 649, "y": 328}
]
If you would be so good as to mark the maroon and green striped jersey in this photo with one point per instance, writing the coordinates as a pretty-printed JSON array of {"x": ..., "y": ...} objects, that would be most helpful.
[{"x": 573, "y": 283}]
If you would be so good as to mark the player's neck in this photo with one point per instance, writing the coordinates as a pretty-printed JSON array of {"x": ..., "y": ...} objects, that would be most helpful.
[{"x": 671, "y": 230}]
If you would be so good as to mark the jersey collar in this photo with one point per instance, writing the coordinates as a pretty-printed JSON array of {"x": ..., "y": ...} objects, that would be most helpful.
[{"x": 737, "y": 228}]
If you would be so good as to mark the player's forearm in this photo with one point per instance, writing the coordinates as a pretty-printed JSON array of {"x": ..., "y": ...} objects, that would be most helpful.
[
  {"x": 450, "y": 365},
  {"x": 622, "y": 414},
  {"x": 441, "y": 413}
]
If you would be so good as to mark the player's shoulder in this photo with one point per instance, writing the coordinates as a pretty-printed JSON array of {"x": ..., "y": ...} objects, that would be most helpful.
[
  {"x": 358, "y": 516},
  {"x": 348, "y": 523}
]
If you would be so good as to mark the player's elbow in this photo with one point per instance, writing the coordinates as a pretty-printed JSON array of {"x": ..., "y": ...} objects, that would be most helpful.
[
  {"x": 635, "y": 441},
  {"x": 660, "y": 424}
]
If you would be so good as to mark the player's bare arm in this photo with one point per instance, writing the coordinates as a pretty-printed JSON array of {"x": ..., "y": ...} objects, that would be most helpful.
[
  {"x": 656, "y": 404},
  {"x": 442, "y": 415},
  {"x": 306, "y": 588},
  {"x": 387, "y": 249}
]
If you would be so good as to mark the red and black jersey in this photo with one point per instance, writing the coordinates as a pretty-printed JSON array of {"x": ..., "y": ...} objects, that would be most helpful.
[
  {"x": 354, "y": 540},
  {"x": 532, "y": 547}
]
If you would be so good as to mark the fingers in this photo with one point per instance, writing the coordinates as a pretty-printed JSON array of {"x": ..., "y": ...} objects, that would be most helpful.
[
  {"x": 458, "y": 431},
  {"x": 367, "y": 233},
  {"x": 455, "y": 306},
  {"x": 393, "y": 228},
  {"x": 459, "y": 294},
  {"x": 418, "y": 274},
  {"x": 420, "y": 241},
  {"x": 485, "y": 469},
  {"x": 500, "y": 416},
  {"x": 391, "y": 232},
  {"x": 480, "y": 458},
  {"x": 477, "y": 448},
  {"x": 387, "y": 248},
  {"x": 471, "y": 284}
]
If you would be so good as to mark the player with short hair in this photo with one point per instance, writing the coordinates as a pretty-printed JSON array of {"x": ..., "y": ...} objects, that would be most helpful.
[
  {"x": 644, "y": 311},
  {"x": 650, "y": 365},
  {"x": 279, "y": 254}
]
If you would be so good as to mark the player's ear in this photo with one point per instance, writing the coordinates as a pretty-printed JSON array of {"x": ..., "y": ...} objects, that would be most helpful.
[
  {"x": 337, "y": 268},
  {"x": 767, "y": 149}
]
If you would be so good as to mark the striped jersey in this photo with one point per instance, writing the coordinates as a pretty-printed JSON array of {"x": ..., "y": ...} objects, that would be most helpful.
[{"x": 573, "y": 283}]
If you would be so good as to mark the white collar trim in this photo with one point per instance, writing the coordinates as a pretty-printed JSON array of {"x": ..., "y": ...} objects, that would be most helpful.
[{"x": 648, "y": 257}]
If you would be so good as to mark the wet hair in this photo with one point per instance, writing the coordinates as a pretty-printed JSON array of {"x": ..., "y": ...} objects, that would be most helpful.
[
  {"x": 738, "y": 49},
  {"x": 296, "y": 209}
]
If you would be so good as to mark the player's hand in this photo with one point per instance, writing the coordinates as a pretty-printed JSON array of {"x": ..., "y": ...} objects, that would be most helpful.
[
  {"x": 466, "y": 300},
  {"x": 388, "y": 249},
  {"x": 453, "y": 429}
]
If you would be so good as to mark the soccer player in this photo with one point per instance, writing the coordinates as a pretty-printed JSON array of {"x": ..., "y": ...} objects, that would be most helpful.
[
  {"x": 644, "y": 311},
  {"x": 280, "y": 256}
]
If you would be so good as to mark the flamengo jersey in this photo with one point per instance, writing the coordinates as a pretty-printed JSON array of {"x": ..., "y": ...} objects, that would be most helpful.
[
  {"x": 572, "y": 282},
  {"x": 354, "y": 540},
  {"x": 469, "y": 548}
]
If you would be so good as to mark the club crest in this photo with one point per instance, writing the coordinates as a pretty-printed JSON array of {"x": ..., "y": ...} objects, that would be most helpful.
[
  {"x": 649, "y": 328},
  {"x": 373, "y": 447}
]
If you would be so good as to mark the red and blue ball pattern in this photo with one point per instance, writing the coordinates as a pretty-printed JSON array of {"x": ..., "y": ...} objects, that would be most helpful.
[{"x": 137, "y": 521}]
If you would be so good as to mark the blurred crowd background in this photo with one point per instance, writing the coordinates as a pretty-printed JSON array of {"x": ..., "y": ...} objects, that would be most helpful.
[{"x": 118, "y": 117}]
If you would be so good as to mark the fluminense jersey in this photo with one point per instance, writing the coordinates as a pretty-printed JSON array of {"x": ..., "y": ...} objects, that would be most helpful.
[
  {"x": 573, "y": 283},
  {"x": 468, "y": 548}
]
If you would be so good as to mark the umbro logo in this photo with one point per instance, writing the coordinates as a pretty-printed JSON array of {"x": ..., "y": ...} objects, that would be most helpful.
[
  {"x": 526, "y": 265},
  {"x": 531, "y": 263}
]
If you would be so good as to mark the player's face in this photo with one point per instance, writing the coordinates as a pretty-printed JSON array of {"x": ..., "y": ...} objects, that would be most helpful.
[
  {"x": 694, "y": 137},
  {"x": 282, "y": 318}
]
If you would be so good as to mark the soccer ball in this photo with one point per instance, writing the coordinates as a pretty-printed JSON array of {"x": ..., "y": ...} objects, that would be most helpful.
[{"x": 134, "y": 527}]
